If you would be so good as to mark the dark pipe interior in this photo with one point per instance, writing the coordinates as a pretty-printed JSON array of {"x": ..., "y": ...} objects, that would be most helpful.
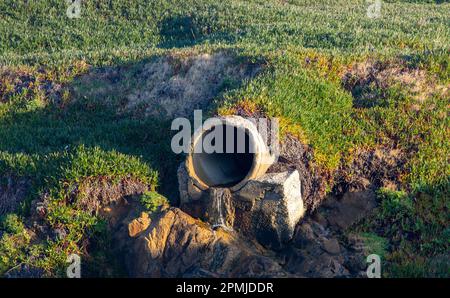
[{"x": 223, "y": 169}]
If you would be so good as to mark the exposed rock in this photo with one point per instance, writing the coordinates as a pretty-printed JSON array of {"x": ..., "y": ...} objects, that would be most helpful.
[
  {"x": 186, "y": 194},
  {"x": 297, "y": 156},
  {"x": 327, "y": 266},
  {"x": 331, "y": 246},
  {"x": 320, "y": 219},
  {"x": 321, "y": 248},
  {"x": 200, "y": 273},
  {"x": 304, "y": 235},
  {"x": 356, "y": 242},
  {"x": 176, "y": 245},
  {"x": 315, "y": 263},
  {"x": 355, "y": 263},
  {"x": 266, "y": 209},
  {"x": 139, "y": 225}
]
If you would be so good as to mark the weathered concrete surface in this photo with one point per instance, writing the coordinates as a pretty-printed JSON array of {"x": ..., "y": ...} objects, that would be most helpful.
[
  {"x": 277, "y": 207},
  {"x": 266, "y": 209},
  {"x": 188, "y": 191}
]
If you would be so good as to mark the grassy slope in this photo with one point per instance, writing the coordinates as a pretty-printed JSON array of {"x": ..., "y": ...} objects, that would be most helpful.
[{"x": 37, "y": 138}]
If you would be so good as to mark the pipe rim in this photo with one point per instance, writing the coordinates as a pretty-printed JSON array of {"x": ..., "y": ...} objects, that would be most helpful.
[{"x": 257, "y": 169}]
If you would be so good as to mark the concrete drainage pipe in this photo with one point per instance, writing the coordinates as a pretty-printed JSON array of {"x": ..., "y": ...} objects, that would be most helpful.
[{"x": 240, "y": 153}]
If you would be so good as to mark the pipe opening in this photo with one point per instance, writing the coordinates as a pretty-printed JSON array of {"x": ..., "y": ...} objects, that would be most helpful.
[{"x": 225, "y": 169}]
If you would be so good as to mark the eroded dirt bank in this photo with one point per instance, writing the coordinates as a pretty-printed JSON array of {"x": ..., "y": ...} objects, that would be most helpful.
[{"x": 169, "y": 242}]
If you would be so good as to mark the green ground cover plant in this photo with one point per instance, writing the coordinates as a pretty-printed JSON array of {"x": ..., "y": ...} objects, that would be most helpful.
[{"x": 56, "y": 136}]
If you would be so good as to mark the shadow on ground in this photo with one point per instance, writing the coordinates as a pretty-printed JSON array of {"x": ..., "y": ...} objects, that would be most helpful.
[
  {"x": 128, "y": 108},
  {"x": 183, "y": 31}
]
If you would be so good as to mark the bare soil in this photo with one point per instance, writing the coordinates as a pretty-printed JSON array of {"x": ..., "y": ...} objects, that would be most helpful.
[
  {"x": 370, "y": 80},
  {"x": 168, "y": 86},
  {"x": 13, "y": 191}
]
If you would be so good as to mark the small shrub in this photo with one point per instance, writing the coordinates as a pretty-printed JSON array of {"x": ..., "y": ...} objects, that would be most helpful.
[
  {"x": 14, "y": 243},
  {"x": 375, "y": 244},
  {"x": 152, "y": 200},
  {"x": 394, "y": 204},
  {"x": 12, "y": 224}
]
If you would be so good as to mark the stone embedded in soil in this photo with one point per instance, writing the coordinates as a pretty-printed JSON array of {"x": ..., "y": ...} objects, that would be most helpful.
[
  {"x": 331, "y": 246},
  {"x": 177, "y": 245},
  {"x": 139, "y": 225},
  {"x": 304, "y": 235},
  {"x": 322, "y": 249},
  {"x": 315, "y": 263},
  {"x": 356, "y": 263},
  {"x": 320, "y": 219},
  {"x": 356, "y": 242}
]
